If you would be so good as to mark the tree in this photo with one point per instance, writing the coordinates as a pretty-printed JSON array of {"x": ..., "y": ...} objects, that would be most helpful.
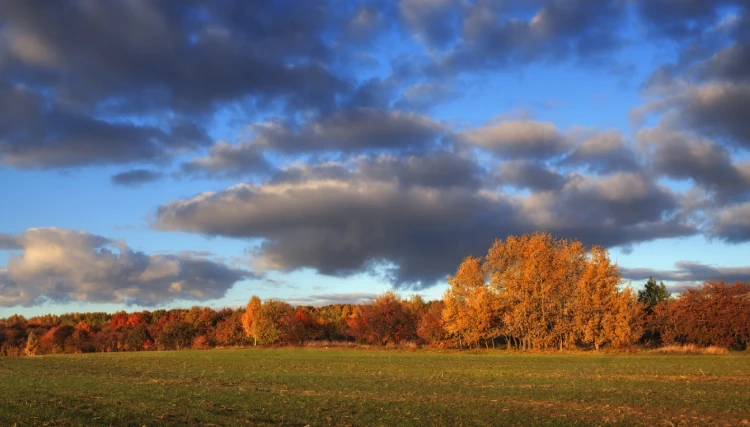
[
  {"x": 430, "y": 326},
  {"x": 253, "y": 307},
  {"x": 603, "y": 314},
  {"x": 471, "y": 311},
  {"x": 652, "y": 293},
  {"x": 270, "y": 323},
  {"x": 32, "y": 345},
  {"x": 385, "y": 320},
  {"x": 715, "y": 314}
]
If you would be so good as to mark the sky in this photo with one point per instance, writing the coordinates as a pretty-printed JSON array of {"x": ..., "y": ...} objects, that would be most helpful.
[{"x": 178, "y": 153}]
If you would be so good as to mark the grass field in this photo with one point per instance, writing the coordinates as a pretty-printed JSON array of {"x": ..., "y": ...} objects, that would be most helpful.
[{"x": 358, "y": 387}]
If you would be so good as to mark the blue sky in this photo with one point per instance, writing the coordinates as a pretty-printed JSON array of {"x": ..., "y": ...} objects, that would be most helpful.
[{"x": 325, "y": 153}]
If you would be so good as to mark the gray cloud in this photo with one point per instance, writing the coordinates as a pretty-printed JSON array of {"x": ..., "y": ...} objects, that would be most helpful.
[
  {"x": 731, "y": 63},
  {"x": 339, "y": 298},
  {"x": 518, "y": 139},
  {"x": 136, "y": 177},
  {"x": 731, "y": 223},
  {"x": 602, "y": 153},
  {"x": 33, "y": 135},
  {"x": 689, "y": 272},
  {"x": 228, "y": 160},
  {"x": 352, "y": 130},
  {"x": 84, "y": 88},
  {"x": 400, "y": 216},
  {"x": 529, "y": 175},
  {"x": 435, "y": 22},
  {"x": 65, "y": 265},
  {"x": 9, "y": 241},
  {"x": 344, "y": 226},
  {"x": 682, "y": 156},
  {"x": 437, "y": 169},
  {"x": 681, "y": 19},
  {"x": 613, "y": 210},
  {"x": 499, "y": 34}
]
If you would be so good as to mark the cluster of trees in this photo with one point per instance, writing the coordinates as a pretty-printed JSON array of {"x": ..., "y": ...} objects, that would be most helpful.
[
  {"x": 527, "y": 292},
  {"x": 538, "y": 292}
]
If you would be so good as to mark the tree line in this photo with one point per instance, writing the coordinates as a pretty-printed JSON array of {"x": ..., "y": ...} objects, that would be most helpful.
[{"x": 527, "y": 292}]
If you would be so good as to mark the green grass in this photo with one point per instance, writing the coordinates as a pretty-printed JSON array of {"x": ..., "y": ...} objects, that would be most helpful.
[{"x": 357, "y": 387}]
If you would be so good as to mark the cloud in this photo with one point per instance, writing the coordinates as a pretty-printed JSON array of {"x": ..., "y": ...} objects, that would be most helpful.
[
  {"x": 683, "y": 156},
  {"x": 413, "y": 219},
  {"x": 341, "y": 226},
  {"x": 613, "y": 210},
  {"x": 716, "y": 110},
  {"x": 435, "y": 22},
  {"x": 680, "y": 19},
  {"x": 501, "y": 34},
  {"x": 518, "y": 139},
  {"x": 229, "y": 160},
  {"x": 352, "y": 131},
  {"x": 529, "y": 175},
  {"x": 136, "y": 177},
  {"x": 338, "y": 298},
  {"x": 731, "y": 223},
  {"x": 602, "y": 153},
  {"x": 731, "y": 63},
  {"x": 105, "y": 94},
  {"x": 688, "y": 272},
  {"x": 9, "y": 242},
  {"x": 65, "y": 265}
]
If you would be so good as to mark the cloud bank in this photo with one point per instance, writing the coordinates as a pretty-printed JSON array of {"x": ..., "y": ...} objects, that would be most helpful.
[{"x": 62, "y": 265}]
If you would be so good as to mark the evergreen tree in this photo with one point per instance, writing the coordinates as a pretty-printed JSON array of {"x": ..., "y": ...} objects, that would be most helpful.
[{"x": 652, "y": 293}]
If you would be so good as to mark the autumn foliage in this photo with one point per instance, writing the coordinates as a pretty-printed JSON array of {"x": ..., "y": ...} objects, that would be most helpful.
[
  {"x": 531, "y": 292},
  {"x": 537, "y": 292}
]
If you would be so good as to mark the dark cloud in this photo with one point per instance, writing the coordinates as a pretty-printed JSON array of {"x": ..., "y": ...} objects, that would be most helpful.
[
  {"x": 691, "y": 272},
  {"x": 79, "y": 86},
  {"x": 681, "y": 19},
  {"x": 399, "y": 216},
  {"x": 434, "y": 22},
  {"x": 714, "y": 110},
  {"x": 229, "y": 160},
  {"x": 518, "y": 139},
  {"x": 717, "y": 110},
  {"x": 9, "y": 242},
  {"x": 709, "y": 165},
  {"x": 65, "y": 265},
  {"x": 33, "y": 135},
  {"x": 732, "y": 63},
  {"x": 613, "y": 210},
  {"x": 530, "y": 176},
  {"x": 351, "y": 131},
  {"x": 344, "y": 226},
  {"x": 500, "y": 34},
  {"x": 603, "y": 153},
  {"x": 437, "y": 169},
  {"x": 731, "y": 223},
  {"x": 136, "y": 177}
]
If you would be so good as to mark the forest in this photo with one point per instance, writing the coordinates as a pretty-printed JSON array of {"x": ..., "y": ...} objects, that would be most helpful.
[{"x": 530, "y": 292}]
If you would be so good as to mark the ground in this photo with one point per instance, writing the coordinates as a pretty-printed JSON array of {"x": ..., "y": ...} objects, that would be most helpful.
[{"x": 374, "y": 387}]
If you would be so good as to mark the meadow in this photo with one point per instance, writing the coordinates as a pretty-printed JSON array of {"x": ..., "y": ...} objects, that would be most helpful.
[{"x": 300, "y": 387}]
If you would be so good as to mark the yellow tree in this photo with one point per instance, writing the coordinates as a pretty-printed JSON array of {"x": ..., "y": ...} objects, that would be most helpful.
[
  {"x": 271, "y": 322},
  {"x": 248, "y": 318},
  {"x": 471, "y": 309},
  {"x": 626, "y": 324},
  {"x": 533, "y": 276},
  {"x": 597, "y": 299},
  {"x": 522, "y": 269}
]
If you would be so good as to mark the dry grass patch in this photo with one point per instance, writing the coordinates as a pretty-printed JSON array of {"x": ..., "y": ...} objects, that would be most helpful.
[{"x": 690, "y": 349}]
